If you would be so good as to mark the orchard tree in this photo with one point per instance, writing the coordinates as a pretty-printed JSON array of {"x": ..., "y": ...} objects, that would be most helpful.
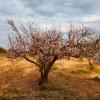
[
  {"x": 96, "y": 56},
  {"x": 47, "y": 46},
  {"x": 86, "y": 41},
  {"x": 50, "y": 45}
]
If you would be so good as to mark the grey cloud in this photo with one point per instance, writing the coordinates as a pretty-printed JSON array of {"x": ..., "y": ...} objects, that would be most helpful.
[{"x": 48, "y": 12}]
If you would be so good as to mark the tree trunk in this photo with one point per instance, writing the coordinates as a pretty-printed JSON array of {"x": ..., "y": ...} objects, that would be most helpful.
[
  {"x": 45, "y": 72},
  {"x": 91, "y": 65},
  {"x": 80, "y": 58},
  {"x": 68, "y": 58},
  {"x": 43, "y": 78}
]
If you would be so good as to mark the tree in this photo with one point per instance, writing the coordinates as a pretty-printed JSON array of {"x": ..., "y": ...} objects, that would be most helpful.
[
  {"x": 50, "y": 45},
  {"x": 86, "y": 41},
  {"x": 96, "y": 56},
  {"x": 47, "y": 46}
]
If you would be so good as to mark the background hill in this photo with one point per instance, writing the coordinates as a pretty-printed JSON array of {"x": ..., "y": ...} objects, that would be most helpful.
[{"x": 2, "y": 50}]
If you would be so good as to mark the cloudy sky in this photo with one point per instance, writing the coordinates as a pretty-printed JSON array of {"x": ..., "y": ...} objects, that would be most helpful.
[{"x": 47, "y": 13}]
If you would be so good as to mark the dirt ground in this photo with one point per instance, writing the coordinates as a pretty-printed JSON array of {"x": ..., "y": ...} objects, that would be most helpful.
[{"x": 21, "y": 80}]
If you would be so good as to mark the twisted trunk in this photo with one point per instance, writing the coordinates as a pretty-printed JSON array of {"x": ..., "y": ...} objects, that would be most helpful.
[
  {"x": 45, "y": 72},
  {"x": 43, "y": 78}
]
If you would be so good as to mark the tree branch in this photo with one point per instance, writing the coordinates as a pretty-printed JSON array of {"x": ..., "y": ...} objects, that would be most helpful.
[
  {"x": 51, "y": 63},
  {"x": 30, "y": 60}
]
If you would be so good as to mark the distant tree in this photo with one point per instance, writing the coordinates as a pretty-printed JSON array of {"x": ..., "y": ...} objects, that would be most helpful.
[
  {"x": 47, "y": 46},
  {"x": 96, "y": 56},
  {"x": 2, "y": 50},
  {"x": 87, "y": 41}
]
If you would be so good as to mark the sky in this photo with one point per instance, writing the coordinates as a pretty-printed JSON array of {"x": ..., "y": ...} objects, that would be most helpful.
[{"x": 48, "y": 12}]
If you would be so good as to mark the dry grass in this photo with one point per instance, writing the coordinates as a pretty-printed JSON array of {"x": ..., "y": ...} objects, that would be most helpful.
[{"x": 68, "y": 81}]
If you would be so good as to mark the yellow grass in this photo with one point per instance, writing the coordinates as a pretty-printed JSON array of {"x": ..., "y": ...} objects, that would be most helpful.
[{"x": 22, "y": 77}]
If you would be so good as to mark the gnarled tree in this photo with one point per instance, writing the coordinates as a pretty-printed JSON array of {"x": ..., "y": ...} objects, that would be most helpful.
[
  {"x": 47, "y": 46},
  {"x": 86, "y": 41}
]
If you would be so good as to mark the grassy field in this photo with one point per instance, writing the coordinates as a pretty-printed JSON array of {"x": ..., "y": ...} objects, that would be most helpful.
[{"x": 68, "y": 80}]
